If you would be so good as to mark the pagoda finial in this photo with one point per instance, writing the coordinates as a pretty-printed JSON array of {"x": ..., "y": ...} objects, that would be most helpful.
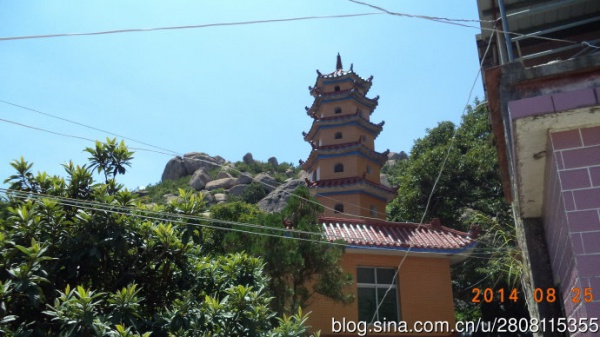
[{"x": 338, "y": 65}]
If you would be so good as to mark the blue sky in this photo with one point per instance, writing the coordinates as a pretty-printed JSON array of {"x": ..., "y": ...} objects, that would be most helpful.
[{"x": 224, "y": 90}]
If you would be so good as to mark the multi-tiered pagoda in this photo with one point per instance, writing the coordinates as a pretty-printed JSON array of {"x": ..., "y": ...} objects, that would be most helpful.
[{"x": 343, "y": 166}]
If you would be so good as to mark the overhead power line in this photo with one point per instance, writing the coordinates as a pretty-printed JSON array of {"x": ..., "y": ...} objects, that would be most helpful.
[
  {"x": 84, "y": 125},
  {"x": 71, "y": 136},
  {"x": 460, "y": 22},
  {"x": 456, "y": 22},
  {"x": 200, "y": 221},
  {"x": 159, "y": 151},
  {"x": 437, "y": 179},
  {"x": 141, "y": 30}
]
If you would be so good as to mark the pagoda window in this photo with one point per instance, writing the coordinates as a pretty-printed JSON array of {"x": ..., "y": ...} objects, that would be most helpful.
[
  {"x": 337, "y": 88},
  {"x": 337, "y": 135},
  {"x": 339, "y": 167},
  {"x": 338, "y": 110},
  {"x": 338, "y": 208},
  {"x": 373, "y": 210}
]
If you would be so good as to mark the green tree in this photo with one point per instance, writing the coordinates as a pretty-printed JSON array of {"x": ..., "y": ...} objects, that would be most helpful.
[
  {"x": 469, "y": 192},
  {"x": 299, "y": 264},
  {"x": 81, "y": 258},
  {"x": 109, "y": 158}
]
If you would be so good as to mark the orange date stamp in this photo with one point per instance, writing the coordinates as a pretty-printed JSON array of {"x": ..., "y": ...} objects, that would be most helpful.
[{"x": 488, "y": 295}]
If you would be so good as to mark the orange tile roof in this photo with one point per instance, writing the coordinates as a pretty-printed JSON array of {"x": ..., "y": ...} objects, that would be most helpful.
[{"x": 362, "y": 233}]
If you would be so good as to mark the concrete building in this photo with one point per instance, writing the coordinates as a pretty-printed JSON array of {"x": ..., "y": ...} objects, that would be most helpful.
[
  {"x": 542, "y": 83},
  {"x": 344, "y": 171}
]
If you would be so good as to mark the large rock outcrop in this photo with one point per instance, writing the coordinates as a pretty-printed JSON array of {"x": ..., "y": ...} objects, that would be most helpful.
[
  {"x": 199, "y": 179},
  {"x": 225, "y": 183},
  {"x": 248, "y": 159},
  {"x": 174, "y": 169},
  {"x": 268, "y": 182},
  {"x": 278, "y": 198},
  {"x": 188, "y": 164}
]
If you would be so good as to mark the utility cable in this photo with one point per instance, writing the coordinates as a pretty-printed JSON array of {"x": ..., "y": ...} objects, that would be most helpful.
[
  {"x": 70, "y": 136},
  {"x": 437, "y": 179},
  {"x": 176, "y": 219},
  {"x": 271, "y": 186},
  {"x": 87, "y": 126},
  {"x": 458, "y": 22},
  {"x": 138, "y": 30}
]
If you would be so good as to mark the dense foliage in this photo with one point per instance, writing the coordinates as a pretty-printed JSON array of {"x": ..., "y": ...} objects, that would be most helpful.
[
  {"x": 302, "y": 263},
  {"x": 155, "y": 193},
  {"x": 85, "y": 258},
  {"x": 469, "y": 192}
]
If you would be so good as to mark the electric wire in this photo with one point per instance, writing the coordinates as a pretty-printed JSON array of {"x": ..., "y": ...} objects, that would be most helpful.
[
  {"x": 176, "y": 219},
  {"x": 87, "y": 126},
  {"x": 444, "y": 20},
  {"x": 269, "y": 185},
  {"x": 70, "y": 136},
  {"x": 458, "y": 22},
  {"x": 138, "y": 30},
  {"x": 167, "y": 216},
  {"x": 442, "y": 167}
]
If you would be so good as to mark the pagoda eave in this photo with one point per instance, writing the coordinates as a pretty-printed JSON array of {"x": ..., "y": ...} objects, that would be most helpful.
[
  {"x": 349, "y": 120},
  {"x": 369, "y": 103},
  {"x": 344, "y": 150},
  {"x": 341, "y": 76},
  {"x": 352, "y": 185}
]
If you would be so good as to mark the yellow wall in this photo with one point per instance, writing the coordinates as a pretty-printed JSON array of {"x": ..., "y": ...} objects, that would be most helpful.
[
  {"x": 350, "y": 134},
  {"x": 354, "y": 166},
  {"x": 424, "y": 286},
  {"x": 348, "y": 107},
  {"x": 354, "y": 204}
]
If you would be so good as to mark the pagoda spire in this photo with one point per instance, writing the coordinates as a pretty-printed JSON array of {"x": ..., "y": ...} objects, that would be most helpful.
[{"x": 338, "y": 65}]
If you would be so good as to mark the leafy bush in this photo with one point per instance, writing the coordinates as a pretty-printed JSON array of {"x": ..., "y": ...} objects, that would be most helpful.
[{"x": 156, "y": 193}]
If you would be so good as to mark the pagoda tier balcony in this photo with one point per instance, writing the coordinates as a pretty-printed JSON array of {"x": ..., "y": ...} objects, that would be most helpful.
[
  {"x": 355, "y": 119},
  {"x": 343, "y": 150},
  {"x": 369, "y": 104}
]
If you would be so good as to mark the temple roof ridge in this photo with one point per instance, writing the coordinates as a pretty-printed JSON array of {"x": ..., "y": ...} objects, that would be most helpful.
[{"x": 339, "y": 71}]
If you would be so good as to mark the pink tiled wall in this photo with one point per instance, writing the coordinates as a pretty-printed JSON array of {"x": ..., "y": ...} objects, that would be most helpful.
[
  {"x": 572, "y": 216},
  {"x": 539, "y": 105}
]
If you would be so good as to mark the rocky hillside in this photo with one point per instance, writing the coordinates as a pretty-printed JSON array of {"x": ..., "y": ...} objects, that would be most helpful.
[{"x": 266, "y": 183}]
